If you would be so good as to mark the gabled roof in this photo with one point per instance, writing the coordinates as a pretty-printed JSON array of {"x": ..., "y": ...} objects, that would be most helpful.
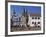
[{"x": 35, "y": 14}]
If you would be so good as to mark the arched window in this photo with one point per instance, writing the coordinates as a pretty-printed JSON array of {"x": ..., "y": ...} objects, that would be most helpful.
[
  {"x": 32, "y": 22},
  {"x": 38, "y": 22}
]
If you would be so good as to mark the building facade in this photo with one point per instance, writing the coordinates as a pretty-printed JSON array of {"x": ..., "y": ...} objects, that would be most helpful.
[
  {"x": 16, "y": 21},
  {"x": 25, "y": 20},
  {"x": 34, "y": 20}
]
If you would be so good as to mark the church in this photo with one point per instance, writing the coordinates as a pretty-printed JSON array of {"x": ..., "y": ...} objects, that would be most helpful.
[{"x": 26, "y": 20}]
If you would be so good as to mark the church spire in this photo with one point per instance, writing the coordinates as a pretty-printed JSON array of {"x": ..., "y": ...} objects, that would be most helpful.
[
  {"x": 14, "y": 13},
  {"x": 23, "y": 14}
]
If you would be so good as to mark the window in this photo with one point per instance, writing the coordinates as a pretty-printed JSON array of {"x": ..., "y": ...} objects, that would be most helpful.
[
  {"x": 32, "y": 17},
  {"x": 16, "y": 18},
  {"x": 38, "y": 22},
  {"x": 32, "y": 22},
  {"x": 35, "y": 22},
  {"x": 38, "y": 17},
  {"x": 35, "y": 17}
]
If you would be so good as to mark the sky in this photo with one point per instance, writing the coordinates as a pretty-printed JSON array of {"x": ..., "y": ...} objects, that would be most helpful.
[{"x": 29, "y": 9}]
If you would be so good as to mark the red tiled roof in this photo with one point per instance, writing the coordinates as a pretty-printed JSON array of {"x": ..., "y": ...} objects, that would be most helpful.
[{"x": 35, "y": 15}]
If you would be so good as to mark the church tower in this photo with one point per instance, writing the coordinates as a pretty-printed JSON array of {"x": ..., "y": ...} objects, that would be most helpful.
[
  {"x": 24, "y": 17},
  {"x": 14, "y": 13},
  {"x": 23, "y": 14}
]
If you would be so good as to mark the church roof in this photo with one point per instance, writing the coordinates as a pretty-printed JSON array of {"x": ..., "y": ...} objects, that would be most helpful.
[{"x": 35, "y": 15}]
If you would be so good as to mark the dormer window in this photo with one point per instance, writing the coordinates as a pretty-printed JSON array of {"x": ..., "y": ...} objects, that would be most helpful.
[
  {"x": 38, "y": 17},
  {"x": 32, "y": 17}
]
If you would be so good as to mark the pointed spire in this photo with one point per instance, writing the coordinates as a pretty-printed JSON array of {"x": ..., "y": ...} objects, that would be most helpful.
[
  {"x": 14, "y": 13},
  {"x": 24, "y": 10},
  {"x": 23, "y": 14}
]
